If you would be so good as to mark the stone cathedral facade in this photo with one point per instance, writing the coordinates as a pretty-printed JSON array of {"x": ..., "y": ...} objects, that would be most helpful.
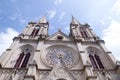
[{"x": 36, "y": 55}]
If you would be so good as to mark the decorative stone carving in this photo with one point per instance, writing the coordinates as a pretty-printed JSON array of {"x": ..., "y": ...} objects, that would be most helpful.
[
  {"x": 68, "y": 55},
  {"x": 60, "y": 71}
]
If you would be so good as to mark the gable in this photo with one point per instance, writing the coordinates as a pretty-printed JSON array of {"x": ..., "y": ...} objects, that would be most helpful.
[{"x": 59, "y": 36}]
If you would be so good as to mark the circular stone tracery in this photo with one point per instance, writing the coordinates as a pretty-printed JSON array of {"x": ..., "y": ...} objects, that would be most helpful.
[{"x": 52, "y": 55}]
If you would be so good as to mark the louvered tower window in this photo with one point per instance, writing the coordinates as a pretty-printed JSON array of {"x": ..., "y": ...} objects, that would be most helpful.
[
  {"x": 83, "y": 33},
  {"x": 35, "y": 31}
]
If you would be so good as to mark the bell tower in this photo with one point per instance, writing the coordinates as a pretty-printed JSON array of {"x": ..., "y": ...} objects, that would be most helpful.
[
  {"x": 82, "y": 32},
  {"x": 36, "y": 55},
  {"x": 35, "y": 30},
  {"x": 92, "y": 49}
]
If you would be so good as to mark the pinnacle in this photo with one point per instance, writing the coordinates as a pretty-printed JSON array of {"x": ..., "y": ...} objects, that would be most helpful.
[
  {"x": 43, "y": 20},
  {"x": 74, "y": 20}
]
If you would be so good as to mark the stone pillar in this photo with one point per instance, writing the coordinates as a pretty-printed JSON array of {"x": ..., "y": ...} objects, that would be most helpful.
[
  {"x": 89, "y": 73},
  {"x": 108, "y": 54},
  {"x": 31, "y": 74},
  {"x": 102, "y": 45},
  {"x": 82, "y": 53},
  {"x": 86, "y": 63}
]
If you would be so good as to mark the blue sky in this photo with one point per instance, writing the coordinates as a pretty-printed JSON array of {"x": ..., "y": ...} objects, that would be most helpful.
[{"x": 103, "y": 16}]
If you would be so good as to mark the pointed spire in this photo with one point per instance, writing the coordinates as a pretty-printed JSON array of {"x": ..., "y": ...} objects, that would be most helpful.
[
  {"x": 43, "y": 20},
  {"x": 74, "y": 20}
]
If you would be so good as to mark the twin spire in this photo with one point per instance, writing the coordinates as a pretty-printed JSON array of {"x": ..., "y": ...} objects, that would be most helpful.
[{"x": 74, "y": 20}]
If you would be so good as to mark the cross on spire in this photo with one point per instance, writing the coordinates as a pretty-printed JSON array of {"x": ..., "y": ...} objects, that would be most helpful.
[{"x": 59, "y": 29}]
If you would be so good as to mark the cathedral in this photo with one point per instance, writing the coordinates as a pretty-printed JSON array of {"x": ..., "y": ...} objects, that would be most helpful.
[{"x": 36, "y": 55}]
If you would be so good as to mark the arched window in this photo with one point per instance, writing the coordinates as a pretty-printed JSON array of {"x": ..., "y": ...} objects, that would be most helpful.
[
  {"x": 23, "y": 59},
  {"x": 35, "y": 31},
  {"x": 99, "y": 61},
  {"x": 83, "y": 33},
  {"x": 95, "y": 60},
  {"x": 19, "y": 60}
]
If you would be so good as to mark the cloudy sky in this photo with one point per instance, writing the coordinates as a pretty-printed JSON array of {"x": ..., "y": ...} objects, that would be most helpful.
[{"x": 102, "y": 15}]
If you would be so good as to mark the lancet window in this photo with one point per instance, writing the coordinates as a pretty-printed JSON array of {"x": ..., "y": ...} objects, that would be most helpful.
[
  {"x": 95, "y": 60},
  {"x": 23, "y": 59},
  {"x": 35, "y": 31},
  {"x": 83, "y": 33}
]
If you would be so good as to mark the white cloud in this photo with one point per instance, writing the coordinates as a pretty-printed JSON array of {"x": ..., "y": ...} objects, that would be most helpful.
[
  {"x": 62, "y": 15},
  {"x": 114, "y": 14},
  {"x": 116, "y": 8},
  {"x": 51, "y": 13},
  {"x": 57, "y": 2},
  {"x": 6, "y": 38},
  {"x": 111, "y": 35},
  {"x": 106, "y": 20}
]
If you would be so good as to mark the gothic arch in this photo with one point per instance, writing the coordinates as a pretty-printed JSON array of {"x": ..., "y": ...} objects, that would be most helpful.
[
  {"x": 25, "y": 54},
  {"x": 94, "y": 56},
  {"x": 98, "y": 51}
]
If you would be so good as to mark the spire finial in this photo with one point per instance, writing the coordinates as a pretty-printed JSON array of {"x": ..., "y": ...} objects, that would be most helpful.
[
  {"x": 59, "y": 29},
  {"x": 43, "y": 19},
  {"x": 74, "y": 20}
]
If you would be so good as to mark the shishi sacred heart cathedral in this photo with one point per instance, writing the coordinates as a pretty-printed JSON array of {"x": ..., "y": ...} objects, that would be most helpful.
[{"x": 36, "y": 55}]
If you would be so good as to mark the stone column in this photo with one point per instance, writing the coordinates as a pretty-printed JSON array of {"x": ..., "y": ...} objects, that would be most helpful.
[
  {"x": 87, "y": 66},
  {"x": 31, "y": 74},
  {"x": 108, "y": 54}
]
